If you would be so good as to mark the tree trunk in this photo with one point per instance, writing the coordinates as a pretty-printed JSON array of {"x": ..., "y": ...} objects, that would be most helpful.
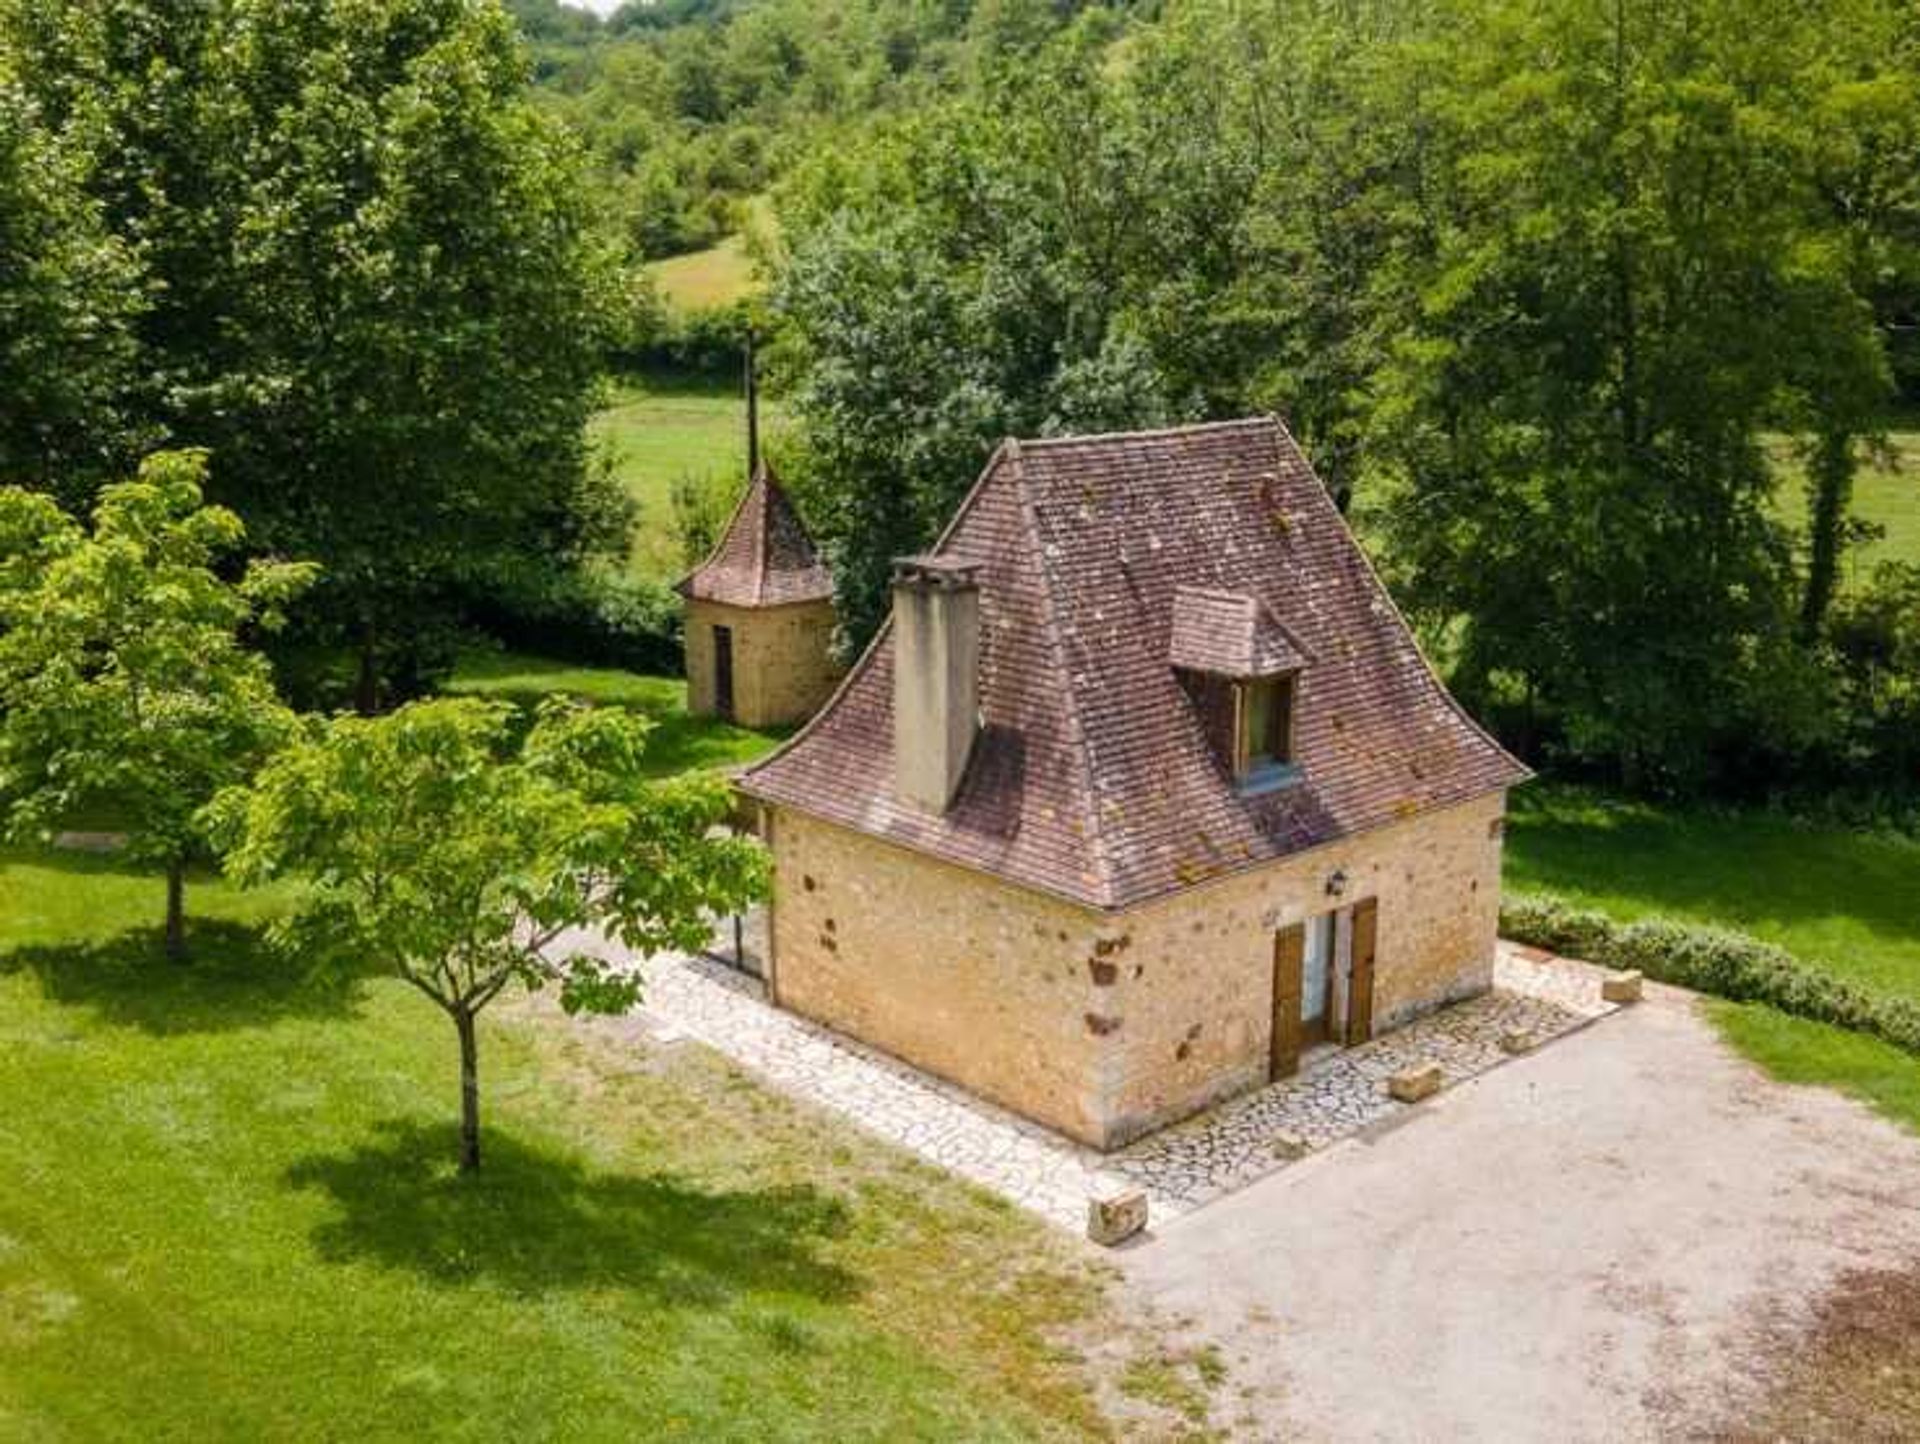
[
  {"x": 366, "y": 688},
  {"x": 177, "y": 910},
  {"x": 469, "y": 1091},
  {"x": 1830, "y": 478}
]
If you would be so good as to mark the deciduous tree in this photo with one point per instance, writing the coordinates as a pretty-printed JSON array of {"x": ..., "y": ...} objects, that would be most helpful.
[
  {"x": 436, "y": 856},
  {"x": 126, "y": 682}
]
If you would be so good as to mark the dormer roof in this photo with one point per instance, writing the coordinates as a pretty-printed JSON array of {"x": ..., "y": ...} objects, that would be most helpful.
[
  {"x": 1230, "y": 634},
  {"x": 764, "y": 557},
  {"x": 1092, "y": 777}
]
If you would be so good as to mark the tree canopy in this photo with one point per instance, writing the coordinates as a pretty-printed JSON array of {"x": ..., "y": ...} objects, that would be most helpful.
[
  {"x": 126, "y": 687},
  {"x": 1537, "y": 285},
  {"x": 372, "y": 287},
  {"x": 433, "y": 858}
]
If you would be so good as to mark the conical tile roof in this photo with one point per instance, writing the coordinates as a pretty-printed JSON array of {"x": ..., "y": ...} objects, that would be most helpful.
[{"x": 765, "y": 557}]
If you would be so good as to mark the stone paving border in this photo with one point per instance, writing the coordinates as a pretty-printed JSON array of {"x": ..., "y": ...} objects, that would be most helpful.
[{"x": 1338, "y": 1093}]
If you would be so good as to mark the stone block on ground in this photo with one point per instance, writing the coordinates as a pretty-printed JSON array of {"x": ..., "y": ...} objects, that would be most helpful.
[
  {"x": 1622, "y": 987},
  {"x": 1519, "y": 1040},
  {"x": 89, "y": 841},
  {"x": 1410, "y": 1085},
  {"x": 1116, "y": 1216}
]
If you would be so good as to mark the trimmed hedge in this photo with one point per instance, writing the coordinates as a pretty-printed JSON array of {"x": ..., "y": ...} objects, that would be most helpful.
[{"x": 1711, "y": 960}]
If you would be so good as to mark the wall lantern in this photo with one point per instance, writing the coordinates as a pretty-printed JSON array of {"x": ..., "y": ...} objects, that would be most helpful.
[{"x": 1336, "y": 882}]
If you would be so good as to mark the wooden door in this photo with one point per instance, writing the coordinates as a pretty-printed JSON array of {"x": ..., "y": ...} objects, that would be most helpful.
[
  {"x": 1360, "y": 979},
  {"x": 1289, "y": 953},
  {"x": 723, "y": 672}
]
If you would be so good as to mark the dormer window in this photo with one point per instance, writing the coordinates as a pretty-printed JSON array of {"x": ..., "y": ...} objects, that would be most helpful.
[
  {"x": 1241, "y": 669},
  {"x": 1263, "y": 750}
]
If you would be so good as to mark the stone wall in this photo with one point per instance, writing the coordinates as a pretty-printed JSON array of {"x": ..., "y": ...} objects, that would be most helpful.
[
  {"x": 978, "y": 982},
  {"x": 783, "y": 666},
  {"x": 1107, "y": 1026},
  {"x": 1194, "y": 985}
]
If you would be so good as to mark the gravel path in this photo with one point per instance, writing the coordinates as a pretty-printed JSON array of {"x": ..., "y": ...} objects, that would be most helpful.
[{"x": 1611, "y": 1239}]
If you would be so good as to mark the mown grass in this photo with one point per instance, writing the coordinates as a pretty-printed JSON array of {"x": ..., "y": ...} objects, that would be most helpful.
[
  {"x": 1846, "y": 900},
  {"x": 1797, "y": 1051},
  {"x": 678, "y": 740},
  {"x": 655, "y": 433},
  {"x": 722, "y": 274},
  {"x": 1886, "y": 493},
  {"x": 227, "y": 1212}
]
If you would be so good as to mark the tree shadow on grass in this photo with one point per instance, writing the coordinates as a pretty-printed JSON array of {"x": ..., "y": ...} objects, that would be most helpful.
[
  {"x": 231, "y": 979},
  {"x": 532, "y": 1222}
]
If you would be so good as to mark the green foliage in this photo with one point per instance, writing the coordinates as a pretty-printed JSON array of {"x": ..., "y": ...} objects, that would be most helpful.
[
  {"x": 602, "y": 618},
  {"x": 125, "y": 681},
  {"x": 69, "y": 294},
  {"x": 1535, "y": 284},
  {"x": 374, "y": 289},
  {"x": 690, "y": 110},
  {"x": 433, "y": 859},
  {"x": 1726, "y": 964}
]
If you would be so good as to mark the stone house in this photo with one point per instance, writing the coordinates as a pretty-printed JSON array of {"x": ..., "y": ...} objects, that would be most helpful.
[
  {"x": 1144, "y": 791},
  {"x": 760, "y": 617}
]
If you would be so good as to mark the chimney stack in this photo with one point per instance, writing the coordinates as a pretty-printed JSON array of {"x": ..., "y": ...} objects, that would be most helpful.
[{"x": 936, "y": 676}]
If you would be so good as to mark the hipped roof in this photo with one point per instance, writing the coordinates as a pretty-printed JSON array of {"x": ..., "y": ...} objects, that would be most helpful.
[{"x": 1093, "y": 778}]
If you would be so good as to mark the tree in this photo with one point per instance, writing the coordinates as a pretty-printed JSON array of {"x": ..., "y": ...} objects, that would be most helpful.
[
  {"x": 126, "y": 684},
  {"x": 68, "y": 294},
  {"x": 432, "y": 860},
  {"x": 376, "y": 295}
]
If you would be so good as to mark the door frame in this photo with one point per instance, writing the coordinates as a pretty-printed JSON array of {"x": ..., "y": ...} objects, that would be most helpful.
[
  {"x": 1288, "y": 1036},
  {"x": 723, "y": 697}
]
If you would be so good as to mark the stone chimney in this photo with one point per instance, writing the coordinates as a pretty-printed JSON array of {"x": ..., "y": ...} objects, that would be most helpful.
[{"x": 936, "y": 676}]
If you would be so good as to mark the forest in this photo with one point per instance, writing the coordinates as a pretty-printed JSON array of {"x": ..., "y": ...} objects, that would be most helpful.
[{"x": 1599, "y": 321}]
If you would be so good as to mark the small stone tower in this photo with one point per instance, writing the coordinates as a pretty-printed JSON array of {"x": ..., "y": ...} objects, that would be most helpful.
[{"x": 760, "y": 616}]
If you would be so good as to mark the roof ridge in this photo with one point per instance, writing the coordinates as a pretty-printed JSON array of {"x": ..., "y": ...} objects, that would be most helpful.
[
  {"x": 1097, "y": 851},
  {"x": 1187, "y": 428}
]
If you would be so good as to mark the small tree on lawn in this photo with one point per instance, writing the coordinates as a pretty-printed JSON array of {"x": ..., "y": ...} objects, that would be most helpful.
[
  {"x": 440, "y": 855},
  {"x": 125, "y": 683}
]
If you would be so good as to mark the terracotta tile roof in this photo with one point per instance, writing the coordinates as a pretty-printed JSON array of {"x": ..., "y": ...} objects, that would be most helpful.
[
  {"x": 1093, "y": 778},
  {"x": 765, "y": 557},
  {"x": 1230, "y": 634}
]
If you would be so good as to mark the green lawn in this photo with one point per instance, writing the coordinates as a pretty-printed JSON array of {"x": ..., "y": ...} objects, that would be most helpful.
[
  {"x": 1886, "y": 493},
  {"x": 720, "y": 275},
  {"x": 1847, "y": 900},
  {"x": 678, "y": 741},
  {"x": 227, "y": 1212},
  {"x": 656, "y": 433}
]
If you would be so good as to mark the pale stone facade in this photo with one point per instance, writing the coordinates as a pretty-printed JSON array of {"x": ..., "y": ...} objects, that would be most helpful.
[
  {"x": 783, "y": 666},
  {"x": 1105, "y": 1025}
]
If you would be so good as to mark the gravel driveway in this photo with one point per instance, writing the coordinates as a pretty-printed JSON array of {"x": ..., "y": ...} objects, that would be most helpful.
[{"x": 1612, "y": 1239}]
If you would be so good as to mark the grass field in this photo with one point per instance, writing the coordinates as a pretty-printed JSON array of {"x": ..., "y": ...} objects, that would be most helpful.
[
  {"x": 719, "y": 275},
  {"x": 1849, "y": 901},
  {"x": 1886, "y": 493},
  {"x": 227, "y": 1212},
  {"x": 678, "y": 741},
  {"x": 654, "y": 434}
]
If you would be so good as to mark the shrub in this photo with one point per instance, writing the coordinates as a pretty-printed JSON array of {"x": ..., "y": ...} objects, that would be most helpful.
[
  {"x": 1724, "y": 963},
  {"x": 592, "y": 617}
]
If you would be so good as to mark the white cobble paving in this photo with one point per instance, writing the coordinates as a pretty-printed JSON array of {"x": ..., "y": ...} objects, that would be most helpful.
[{"x": 1337, "y": 1093}]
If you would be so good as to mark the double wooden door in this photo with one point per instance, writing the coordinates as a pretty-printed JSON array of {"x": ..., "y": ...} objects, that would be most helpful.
[{"x": 1317, "y": 994}]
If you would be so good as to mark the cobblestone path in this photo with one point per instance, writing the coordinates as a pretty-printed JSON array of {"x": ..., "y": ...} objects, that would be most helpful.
[{"x": 1338, "y": 1092}]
